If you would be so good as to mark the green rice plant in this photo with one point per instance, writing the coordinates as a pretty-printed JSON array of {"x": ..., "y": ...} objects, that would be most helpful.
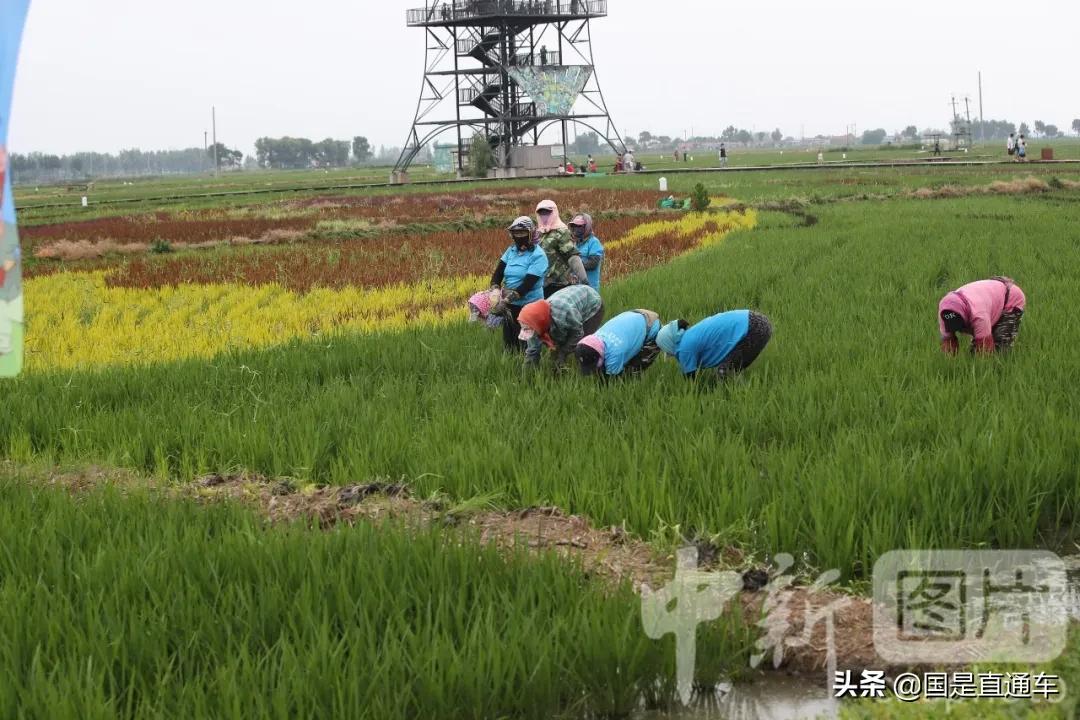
[{"x": 133, "y": 605}]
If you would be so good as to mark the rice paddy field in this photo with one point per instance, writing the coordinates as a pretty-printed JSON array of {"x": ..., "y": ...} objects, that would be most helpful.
[{"x": 259, "y": 465}]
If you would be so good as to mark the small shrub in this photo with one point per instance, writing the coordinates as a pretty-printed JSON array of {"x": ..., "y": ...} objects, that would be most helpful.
[
  {"x": 161, "y": 247},
  {"x": 481, "y": 159},
  {"x": 699, "y": 198}
]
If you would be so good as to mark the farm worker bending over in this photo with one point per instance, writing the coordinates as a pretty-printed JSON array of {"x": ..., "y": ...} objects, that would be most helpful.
[
  {"x": 481, "y": 305},
  {"x": 592, "y": 251},
  {"x": 560, "y": 322},
  {"x": 728, "y": 342},
  {"x": 564, "y": 260},
  {"x": 625, "y": 344},
  {"x": 988, "y": 310},
  {"x": 520, "y": 275}
]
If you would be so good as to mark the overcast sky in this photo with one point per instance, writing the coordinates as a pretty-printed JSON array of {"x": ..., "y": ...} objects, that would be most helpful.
[{"x": 111, "y": 74}]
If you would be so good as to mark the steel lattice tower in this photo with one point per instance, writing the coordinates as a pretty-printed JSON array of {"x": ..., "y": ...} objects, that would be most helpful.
[{"x": 482, "y": 59}]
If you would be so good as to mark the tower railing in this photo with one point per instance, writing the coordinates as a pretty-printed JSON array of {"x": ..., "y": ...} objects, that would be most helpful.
[{"x": 439, "y": 13}]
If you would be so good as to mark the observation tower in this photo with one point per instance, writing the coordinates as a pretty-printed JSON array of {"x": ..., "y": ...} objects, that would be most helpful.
[{"x": 511, "y": 70}]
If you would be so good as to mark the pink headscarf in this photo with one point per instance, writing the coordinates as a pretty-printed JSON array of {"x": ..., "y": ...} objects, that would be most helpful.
[
  {"x": 552, "y": 221},
  {"x": 591, "y": 341},
  {"x": 482, "y": 302}
]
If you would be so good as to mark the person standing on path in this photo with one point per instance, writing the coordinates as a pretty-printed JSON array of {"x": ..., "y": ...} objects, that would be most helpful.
[
  {"x": 988, "y": 310},
  {"x": 560, "y": 322},
  {"x": 726, "y": 343},
  {"x": 564, "y": 259}
]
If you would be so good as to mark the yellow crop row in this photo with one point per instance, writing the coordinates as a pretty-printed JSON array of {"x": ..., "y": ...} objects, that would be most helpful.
[
  {"x": 75, "y": 320},
  {"x": 688, "y": 224}
]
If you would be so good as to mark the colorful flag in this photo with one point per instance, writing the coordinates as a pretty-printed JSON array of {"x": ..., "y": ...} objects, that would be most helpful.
[{"x": 12, "y": 18}]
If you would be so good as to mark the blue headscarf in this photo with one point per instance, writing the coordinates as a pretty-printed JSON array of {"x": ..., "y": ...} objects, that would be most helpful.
[{"x": 669, "y": 337}]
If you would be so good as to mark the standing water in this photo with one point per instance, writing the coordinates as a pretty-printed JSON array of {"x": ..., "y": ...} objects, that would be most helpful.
[{"x": 764, "y": 697}]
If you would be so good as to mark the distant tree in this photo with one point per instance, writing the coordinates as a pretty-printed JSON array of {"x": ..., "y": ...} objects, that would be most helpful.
[
  {"x": 1040, "y": 127},
  {"x": 1076, "y": 126},
  {"x": 586, "y": 144},
  {"x": 1051, "y": 131},
  {"x": 285, "y": 152},
  {"x": 777, "y": 136},
  {"x": 910, "y": 132},
  {"x": 1024, "y": 129},
  {"x": 481, "y": 159},
  {"x": 644, "y": 137},
  {"x": 225, "y": 157},
  {"x": 760, "y": 136},
  {"x": 361, "y": 149},
  {"x": 874, "y": 137},
  {"x": 729, "y": 134},
  {"x": 993, "y": 129},
  {"x": 744, "y": 137}
]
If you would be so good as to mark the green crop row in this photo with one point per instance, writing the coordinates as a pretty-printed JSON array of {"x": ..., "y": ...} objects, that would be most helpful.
[{"x": 136, "y": 606}]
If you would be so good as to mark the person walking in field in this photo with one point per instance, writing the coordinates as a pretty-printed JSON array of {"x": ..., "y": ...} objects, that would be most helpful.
[
  {"x": 1010, "y": 144},
  {"x": 518, "y": 280},
  {"x": 589, "y": 246},
  {"x": 624, "y": 345},
  {"x": 726, "y": 343},
  {"x": 723, "y": 155},
  {"x": 564, "y": 259},
  {"x": 988, "y": 310},
  {"x": 629, "y": 162},
  {"x": 559, "y": 323},
  {"x": 1021, "y": 149}
]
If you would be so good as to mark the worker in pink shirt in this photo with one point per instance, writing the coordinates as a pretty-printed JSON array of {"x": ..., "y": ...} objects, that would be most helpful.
[{"x": 988, "y": 310}]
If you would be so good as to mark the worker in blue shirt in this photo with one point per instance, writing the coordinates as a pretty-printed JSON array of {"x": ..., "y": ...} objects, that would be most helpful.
[
  {"x": 726, "y": 343},
  {"x": 626, "y": 344},
  {"x": 520, "y": 276},
  {"x": 590, "y": 247}
]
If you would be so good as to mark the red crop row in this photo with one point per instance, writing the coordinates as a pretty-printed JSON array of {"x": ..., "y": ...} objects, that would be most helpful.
[
  {"x": 380, "y": 262},
  {"x": 429, "y": 207},
  {"x": 221, "y": 225}
]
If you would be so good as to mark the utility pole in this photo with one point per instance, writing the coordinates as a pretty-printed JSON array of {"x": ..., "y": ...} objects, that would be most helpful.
[
  {"x": 205, "y": 148},
  {"x": 967, "y": 114},
  {"x": 213, "y": 121},
  {"x": 982, "y": 119}
]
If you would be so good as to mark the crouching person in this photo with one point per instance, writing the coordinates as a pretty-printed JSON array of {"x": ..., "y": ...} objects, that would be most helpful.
[
  {"x": 988, "y": 310},
  {"x": 560, "y": 322},
  {"x": 625, "y": 345},
  {"x": 482, "y": 304},
  {"x": 726, "y": 343}
]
